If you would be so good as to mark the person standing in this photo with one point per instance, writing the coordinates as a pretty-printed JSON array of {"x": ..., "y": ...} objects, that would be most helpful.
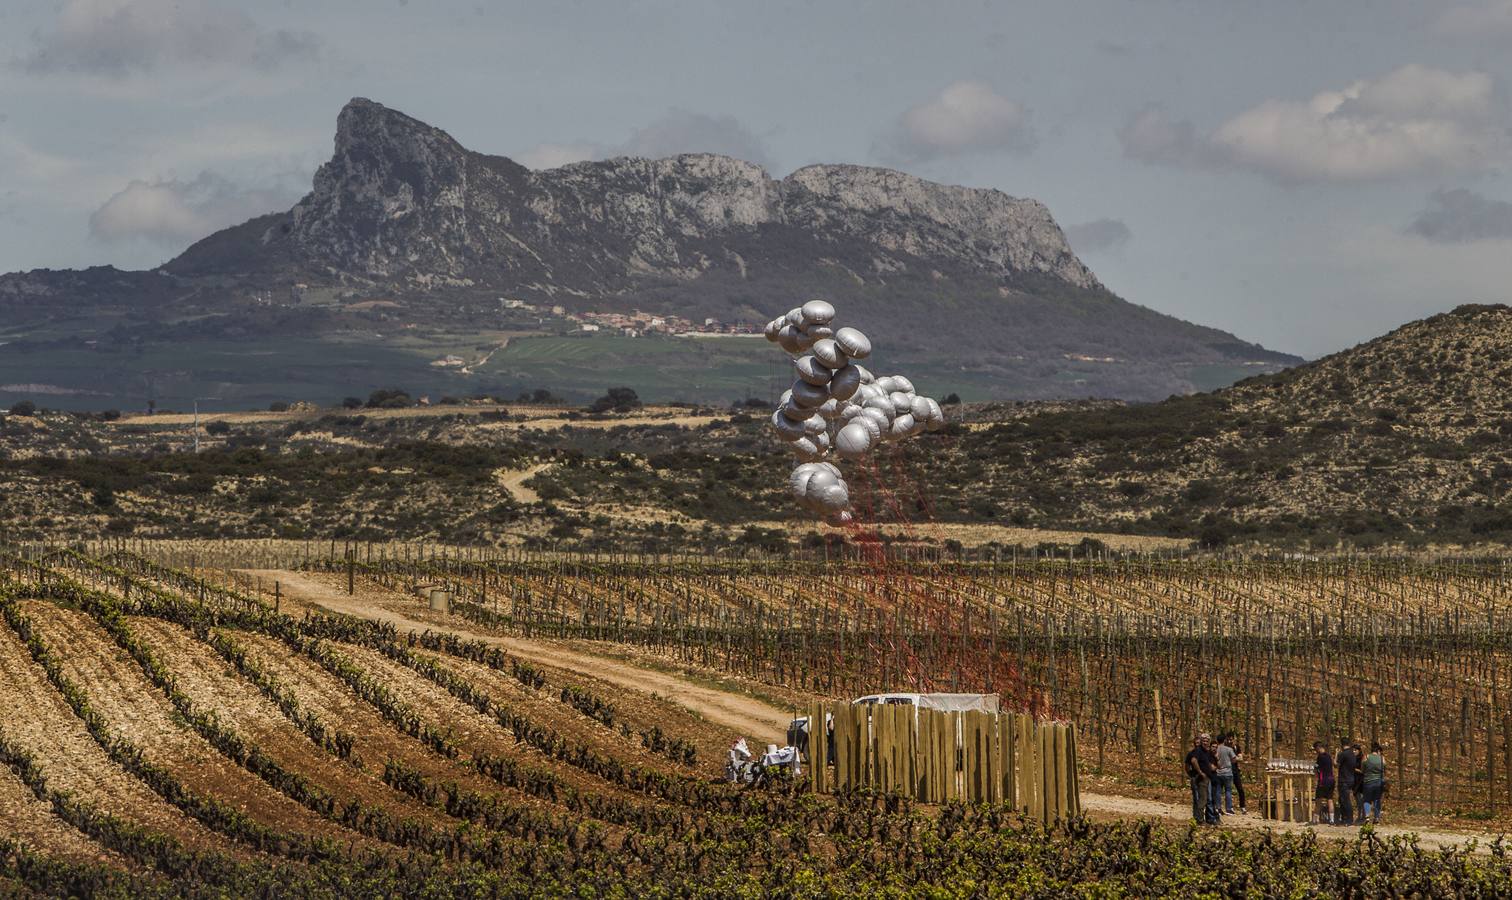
[
  {"x": 1197, "y": 776},
  {"x": 1225, "y": 769},
  {"x": 1239, "y": 776},
  {"x": 1373, "y": 772},
  {"x": 1324, "y": 767},
  {"x": 1348, "y": 766}
]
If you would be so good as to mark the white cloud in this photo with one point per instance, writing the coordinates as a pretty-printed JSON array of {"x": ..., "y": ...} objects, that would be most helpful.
[
  {"x": 1476, "y": 21},
  {"x": 177, "y": 212},
  {"x": 1415, "y": 120},
  {"x": 115, "y": 38},
  {"x": 1098, "y": 236},
  {"x": 1461, "y": 217},
  {"x": 550, "y": 156},
  {"x": 965, "y": 117}
]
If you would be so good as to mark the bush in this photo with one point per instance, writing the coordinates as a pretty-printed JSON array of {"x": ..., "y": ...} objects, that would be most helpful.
[
  {"x": 541, "y": 396},
  {"x": 217, "y": 427},
  {"x": 351, "y": 403},
  {"x": 278, "y": 406},
  {"x": 389, "y": 398},
  {"x": 110, "y": 415},
  {"x": 619, "y": 399},
  {"x": 23, "y": 408}
]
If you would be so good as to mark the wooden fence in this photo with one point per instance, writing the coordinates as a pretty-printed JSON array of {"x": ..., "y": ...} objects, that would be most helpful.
[{"x": 935, "y": 756}]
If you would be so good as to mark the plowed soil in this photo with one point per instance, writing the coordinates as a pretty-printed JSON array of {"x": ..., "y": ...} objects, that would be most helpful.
[{"x": 46, "y": 726}]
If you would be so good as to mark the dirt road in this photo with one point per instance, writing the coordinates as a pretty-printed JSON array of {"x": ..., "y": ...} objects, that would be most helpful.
[
  {"x": 743, "y": 715},
  {"x": 764, "y": 722},
  {"x": 514, "y": 482}
]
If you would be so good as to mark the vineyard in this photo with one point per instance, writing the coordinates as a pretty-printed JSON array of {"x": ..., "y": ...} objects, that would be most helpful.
[{"x": 179, "y": 721}]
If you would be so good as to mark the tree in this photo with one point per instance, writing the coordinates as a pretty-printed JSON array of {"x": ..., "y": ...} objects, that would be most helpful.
[
  {"x": 388, "y": 398},
  {"x": 618, "y": 399},
  {"x": 951, "y": 399},
  {"x": 539, "y": 395},
  {"x": 278, "y": 406},
  {"x": 23, "y": 408},
  {"x": 351, "y": 403},
  {"x": 217, "y": 427}
]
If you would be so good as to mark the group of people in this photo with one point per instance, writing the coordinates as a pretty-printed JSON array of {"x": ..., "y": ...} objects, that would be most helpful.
[
  {"x": 1212, "y": 767},
  {"x": 1359, "y": 779}
]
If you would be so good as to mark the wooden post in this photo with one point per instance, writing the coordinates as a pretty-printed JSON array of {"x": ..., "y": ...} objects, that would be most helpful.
[
  {"x": 1159, "y": 727},
  {"x": 1270, "y": 730}
]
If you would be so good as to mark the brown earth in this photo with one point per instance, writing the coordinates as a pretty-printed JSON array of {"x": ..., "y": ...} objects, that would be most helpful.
[{"x": 750, "y": 716}]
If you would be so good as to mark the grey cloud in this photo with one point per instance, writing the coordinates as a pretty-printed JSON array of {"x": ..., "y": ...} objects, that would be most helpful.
[
  {"x": 682, "y": 131},
  {"x": 1152, "y": 136},
  {"x": 678, "y": 131},
  {"x": 1476, "y": 21},
  {"x": 1460, "y": 216},
  {"x": 964, "y": 117},
  {"x": 1099, "y": 235},
  {"x": 115, "y": 38},
  {"x": 175, "y": 212}
]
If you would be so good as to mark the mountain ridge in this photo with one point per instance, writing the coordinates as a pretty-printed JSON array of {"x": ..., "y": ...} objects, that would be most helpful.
[{"x": 405, "y": 228}]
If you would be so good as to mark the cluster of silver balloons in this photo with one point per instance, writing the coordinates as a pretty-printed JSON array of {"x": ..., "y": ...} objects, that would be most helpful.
[{"x": 836, "y": 407}]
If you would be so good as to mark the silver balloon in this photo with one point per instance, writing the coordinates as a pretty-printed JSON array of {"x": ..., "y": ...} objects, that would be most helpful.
[
  {"x": 830, "y": 409},
  {"x": 787, "y": 429},
  {"x": 806, "y": 449},
  {"x": 902, "y": 425},
  {"x": 902, "y": 384},
  {"x": 866, "y": 375},
  {"x": 853, "y": 342},
  {"x": 772, "y": 328},
  {"x": 808, "y": 395},
  {"x": 844, "y": 382},
  {"x": 921, "y": 408},
  {"x": 901, "y": 402},
  {"x": 819, "y": 312},
  {"x": 829, "y": 354},
  {"x": 820, "y": 332},
  {"x": 875, "y": 423},
  {"x": 789, "y": 339},
  {"x": 794, "y": 317},
  {"x": 854, "y": 441},
  {"x": 812, "y": 371},
  {"x": 814, "y": 425},
  {"x": 886, "y": 384},
  {"x": 936, "y": 416}
]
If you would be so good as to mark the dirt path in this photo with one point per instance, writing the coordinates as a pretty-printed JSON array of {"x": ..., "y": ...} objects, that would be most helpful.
[
  {"x": 743, "y": 715},
  {"x": 513, "y": 480},
  {"x": 1133, "y": 807},
  {"x": 767, "y": 723}
]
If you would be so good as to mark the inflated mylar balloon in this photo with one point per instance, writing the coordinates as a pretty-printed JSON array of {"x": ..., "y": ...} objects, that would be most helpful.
[{"x": 837, "y": 407}]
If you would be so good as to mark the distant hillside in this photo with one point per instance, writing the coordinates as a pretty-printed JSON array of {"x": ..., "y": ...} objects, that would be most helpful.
[
  {"x": 408, "y": 239},
  {"x": 1406, "y": 437}
]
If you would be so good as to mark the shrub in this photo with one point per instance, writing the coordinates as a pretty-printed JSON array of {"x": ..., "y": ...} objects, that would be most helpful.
[
  {"x": 389, "y": 398},
  {"x": 217, "y": 427},
  {"x": 23, "y": 408},
  {"x": 278, "y": 406},
  {"x": 618, "y": 399}
]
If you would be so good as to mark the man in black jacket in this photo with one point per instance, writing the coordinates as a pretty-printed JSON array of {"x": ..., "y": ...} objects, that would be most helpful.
[
  {"x": 1201, "y": 770},
  {"x": 1348, "y": 765}
]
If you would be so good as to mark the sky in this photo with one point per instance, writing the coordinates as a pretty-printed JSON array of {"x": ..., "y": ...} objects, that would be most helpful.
[{"x": 1306, "y": 175}]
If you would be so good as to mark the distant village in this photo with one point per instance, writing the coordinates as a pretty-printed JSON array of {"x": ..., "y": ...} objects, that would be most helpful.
[{"x": 638, "y": 323}]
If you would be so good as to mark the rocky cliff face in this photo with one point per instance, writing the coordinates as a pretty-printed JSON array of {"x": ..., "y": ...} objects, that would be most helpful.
[
  {"x": 402, "y": 201},
  {"x": 974, "y": 286}
]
